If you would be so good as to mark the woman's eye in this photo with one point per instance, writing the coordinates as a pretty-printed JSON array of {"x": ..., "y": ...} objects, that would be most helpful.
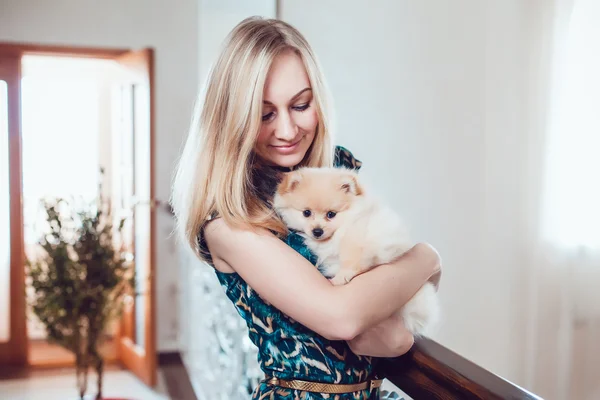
[
  {"x": 302, "y": 107},
  {"x": 306, "y": 213},
  {"x": 331, "y": 214},
  {"x": 268, "y": 116}
]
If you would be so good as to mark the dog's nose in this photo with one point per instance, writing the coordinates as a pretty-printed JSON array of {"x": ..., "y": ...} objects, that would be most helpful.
[{"x": 317, "y": 232}]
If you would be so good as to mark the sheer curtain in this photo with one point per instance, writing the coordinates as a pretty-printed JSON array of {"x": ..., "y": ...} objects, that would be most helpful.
[{"x": 563, "y": 350}]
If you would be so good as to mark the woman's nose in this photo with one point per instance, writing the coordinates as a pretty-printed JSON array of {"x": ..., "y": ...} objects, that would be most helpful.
[{"x": 286, "y": 128}]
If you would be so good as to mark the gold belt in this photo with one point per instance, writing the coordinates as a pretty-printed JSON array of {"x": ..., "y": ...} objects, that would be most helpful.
[{"x": 317, "y": 387}]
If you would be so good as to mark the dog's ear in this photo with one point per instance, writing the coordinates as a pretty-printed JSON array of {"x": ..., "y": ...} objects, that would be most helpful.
[
  {"x": 290, "y": 182},
  {"x": 351, "y": 185}
]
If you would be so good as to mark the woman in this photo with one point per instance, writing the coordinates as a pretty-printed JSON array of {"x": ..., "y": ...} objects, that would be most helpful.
[{"x": 264, "y": 111}]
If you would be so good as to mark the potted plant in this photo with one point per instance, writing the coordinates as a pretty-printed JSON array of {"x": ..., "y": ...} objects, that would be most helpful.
[{"x": 79, "y": 277}]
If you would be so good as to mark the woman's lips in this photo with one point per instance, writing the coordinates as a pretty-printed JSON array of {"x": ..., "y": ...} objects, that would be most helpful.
[{"x": 288, "y": 149}]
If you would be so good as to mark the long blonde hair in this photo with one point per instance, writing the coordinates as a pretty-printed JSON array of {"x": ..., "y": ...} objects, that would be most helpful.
[{"x": 214, "y": 172}]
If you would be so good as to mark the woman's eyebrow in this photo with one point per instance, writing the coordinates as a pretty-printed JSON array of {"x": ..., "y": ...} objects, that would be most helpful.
[{"x": 292, "y": 99}]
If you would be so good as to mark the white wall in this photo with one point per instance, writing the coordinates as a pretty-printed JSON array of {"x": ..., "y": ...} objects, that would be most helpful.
[
  {"x": 427, "y": 94},
  {"x": 172, "y": 30},
  {"x": 217, "y": 18}
]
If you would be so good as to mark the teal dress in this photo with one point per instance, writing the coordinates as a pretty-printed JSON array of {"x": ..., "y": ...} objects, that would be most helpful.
[{"x": 286, "y": 348}]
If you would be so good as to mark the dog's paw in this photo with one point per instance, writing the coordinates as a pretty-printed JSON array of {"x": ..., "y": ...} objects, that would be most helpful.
[{"x": 341, "y": 278}]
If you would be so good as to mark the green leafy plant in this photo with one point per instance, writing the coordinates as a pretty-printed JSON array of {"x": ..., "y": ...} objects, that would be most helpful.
[{"x": 79, "y": 277}]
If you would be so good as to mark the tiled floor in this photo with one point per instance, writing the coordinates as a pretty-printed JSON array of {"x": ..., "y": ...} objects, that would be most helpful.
[{"x": 60, "y": 385}]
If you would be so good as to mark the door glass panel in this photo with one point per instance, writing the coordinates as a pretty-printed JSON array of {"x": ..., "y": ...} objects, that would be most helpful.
[
  {"x": 124, "y": 193},
  {"x": 133, "y": 153},
  {"x": 4, "y": 218},
  {"x": 141, "y": 118}
]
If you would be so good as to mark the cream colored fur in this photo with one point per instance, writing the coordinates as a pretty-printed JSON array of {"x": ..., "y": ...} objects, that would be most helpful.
[{"x": 362, "y": 235}]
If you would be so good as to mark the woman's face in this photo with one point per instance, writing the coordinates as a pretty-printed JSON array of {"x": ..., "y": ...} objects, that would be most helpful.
[{"x": 289, "y": 118}]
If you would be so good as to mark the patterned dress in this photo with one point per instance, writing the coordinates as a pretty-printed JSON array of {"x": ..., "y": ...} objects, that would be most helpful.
[{"x": 286, "y": 348}]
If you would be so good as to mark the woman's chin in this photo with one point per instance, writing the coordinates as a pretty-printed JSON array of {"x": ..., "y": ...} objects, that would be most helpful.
[
  {"x": 285, "y": 160},
  {"x": 289, "y": 161}
]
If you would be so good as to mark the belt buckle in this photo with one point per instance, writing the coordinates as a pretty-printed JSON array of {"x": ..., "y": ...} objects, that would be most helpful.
[
  {"x": 273, "y": 381},
  {"x": 374, "y": 384}
]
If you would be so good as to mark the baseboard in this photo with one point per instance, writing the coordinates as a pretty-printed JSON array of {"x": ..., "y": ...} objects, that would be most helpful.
[
  {"x": 175, "y": 375},
  {"x": 168, "y": 345}
]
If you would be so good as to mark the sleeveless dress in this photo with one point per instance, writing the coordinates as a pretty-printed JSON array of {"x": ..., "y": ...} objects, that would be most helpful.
[{"x": 286, "y": 348}]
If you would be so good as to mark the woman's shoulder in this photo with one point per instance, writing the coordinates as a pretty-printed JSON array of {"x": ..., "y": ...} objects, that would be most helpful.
[{"x": 345, "y": 159}]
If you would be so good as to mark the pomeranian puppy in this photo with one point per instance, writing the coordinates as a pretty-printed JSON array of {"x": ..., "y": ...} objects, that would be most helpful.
[{"x": 350, "y": 232}]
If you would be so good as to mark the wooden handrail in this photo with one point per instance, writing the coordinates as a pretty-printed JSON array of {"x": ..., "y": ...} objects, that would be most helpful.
[{"x": 431, "y": 371}]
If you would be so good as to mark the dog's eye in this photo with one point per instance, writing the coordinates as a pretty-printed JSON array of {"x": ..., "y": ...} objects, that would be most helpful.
[
  {"x": 331, "y": 214},
  {"x": 306, "y": 213}
]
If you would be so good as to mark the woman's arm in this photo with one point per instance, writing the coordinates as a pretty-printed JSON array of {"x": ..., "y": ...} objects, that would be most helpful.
[
  {"x": 387, "y": 339},
  {"x": 293, "y": 285}
]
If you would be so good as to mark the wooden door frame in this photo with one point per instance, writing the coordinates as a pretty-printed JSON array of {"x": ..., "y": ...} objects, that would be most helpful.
[
  {"x": 14, "y": 352},
  {"x": 16, "y": 50},
  {"x": 21, "y": 49}
]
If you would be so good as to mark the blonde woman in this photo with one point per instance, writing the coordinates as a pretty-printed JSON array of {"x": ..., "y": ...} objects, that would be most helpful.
[{"x": 265, "y": 110}]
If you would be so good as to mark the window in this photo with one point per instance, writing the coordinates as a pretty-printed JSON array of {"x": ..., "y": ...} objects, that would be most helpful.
[{"x": 572, "y": 188}]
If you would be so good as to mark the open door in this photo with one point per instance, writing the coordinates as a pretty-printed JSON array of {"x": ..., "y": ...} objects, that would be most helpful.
[
  {"x": 133, "y": 177},
  {"x": 133, "y": 193},
  {"x": 13, "y": 328}
]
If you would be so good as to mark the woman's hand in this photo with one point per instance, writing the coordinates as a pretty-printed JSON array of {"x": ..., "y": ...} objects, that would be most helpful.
[
  {"x": 428, "y": 256},
  {"x": 388, "y": 339}
]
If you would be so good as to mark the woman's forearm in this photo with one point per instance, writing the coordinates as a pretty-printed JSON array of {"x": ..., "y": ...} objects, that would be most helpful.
[
  {"x": 373, "y": 297},
  {"x": 386, "y": 339}
]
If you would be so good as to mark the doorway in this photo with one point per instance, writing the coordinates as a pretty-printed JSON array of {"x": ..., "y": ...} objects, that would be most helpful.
[
  {"x": 65, "y": 102},
  {"x": 65, "y": 114}
]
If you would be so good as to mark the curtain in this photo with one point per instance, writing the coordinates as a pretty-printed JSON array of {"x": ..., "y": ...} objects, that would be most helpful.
[{"x": 563, "y": 310}]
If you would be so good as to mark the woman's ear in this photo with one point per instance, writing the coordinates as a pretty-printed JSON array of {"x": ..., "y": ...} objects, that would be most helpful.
[{"x": 351, "y": 185}]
